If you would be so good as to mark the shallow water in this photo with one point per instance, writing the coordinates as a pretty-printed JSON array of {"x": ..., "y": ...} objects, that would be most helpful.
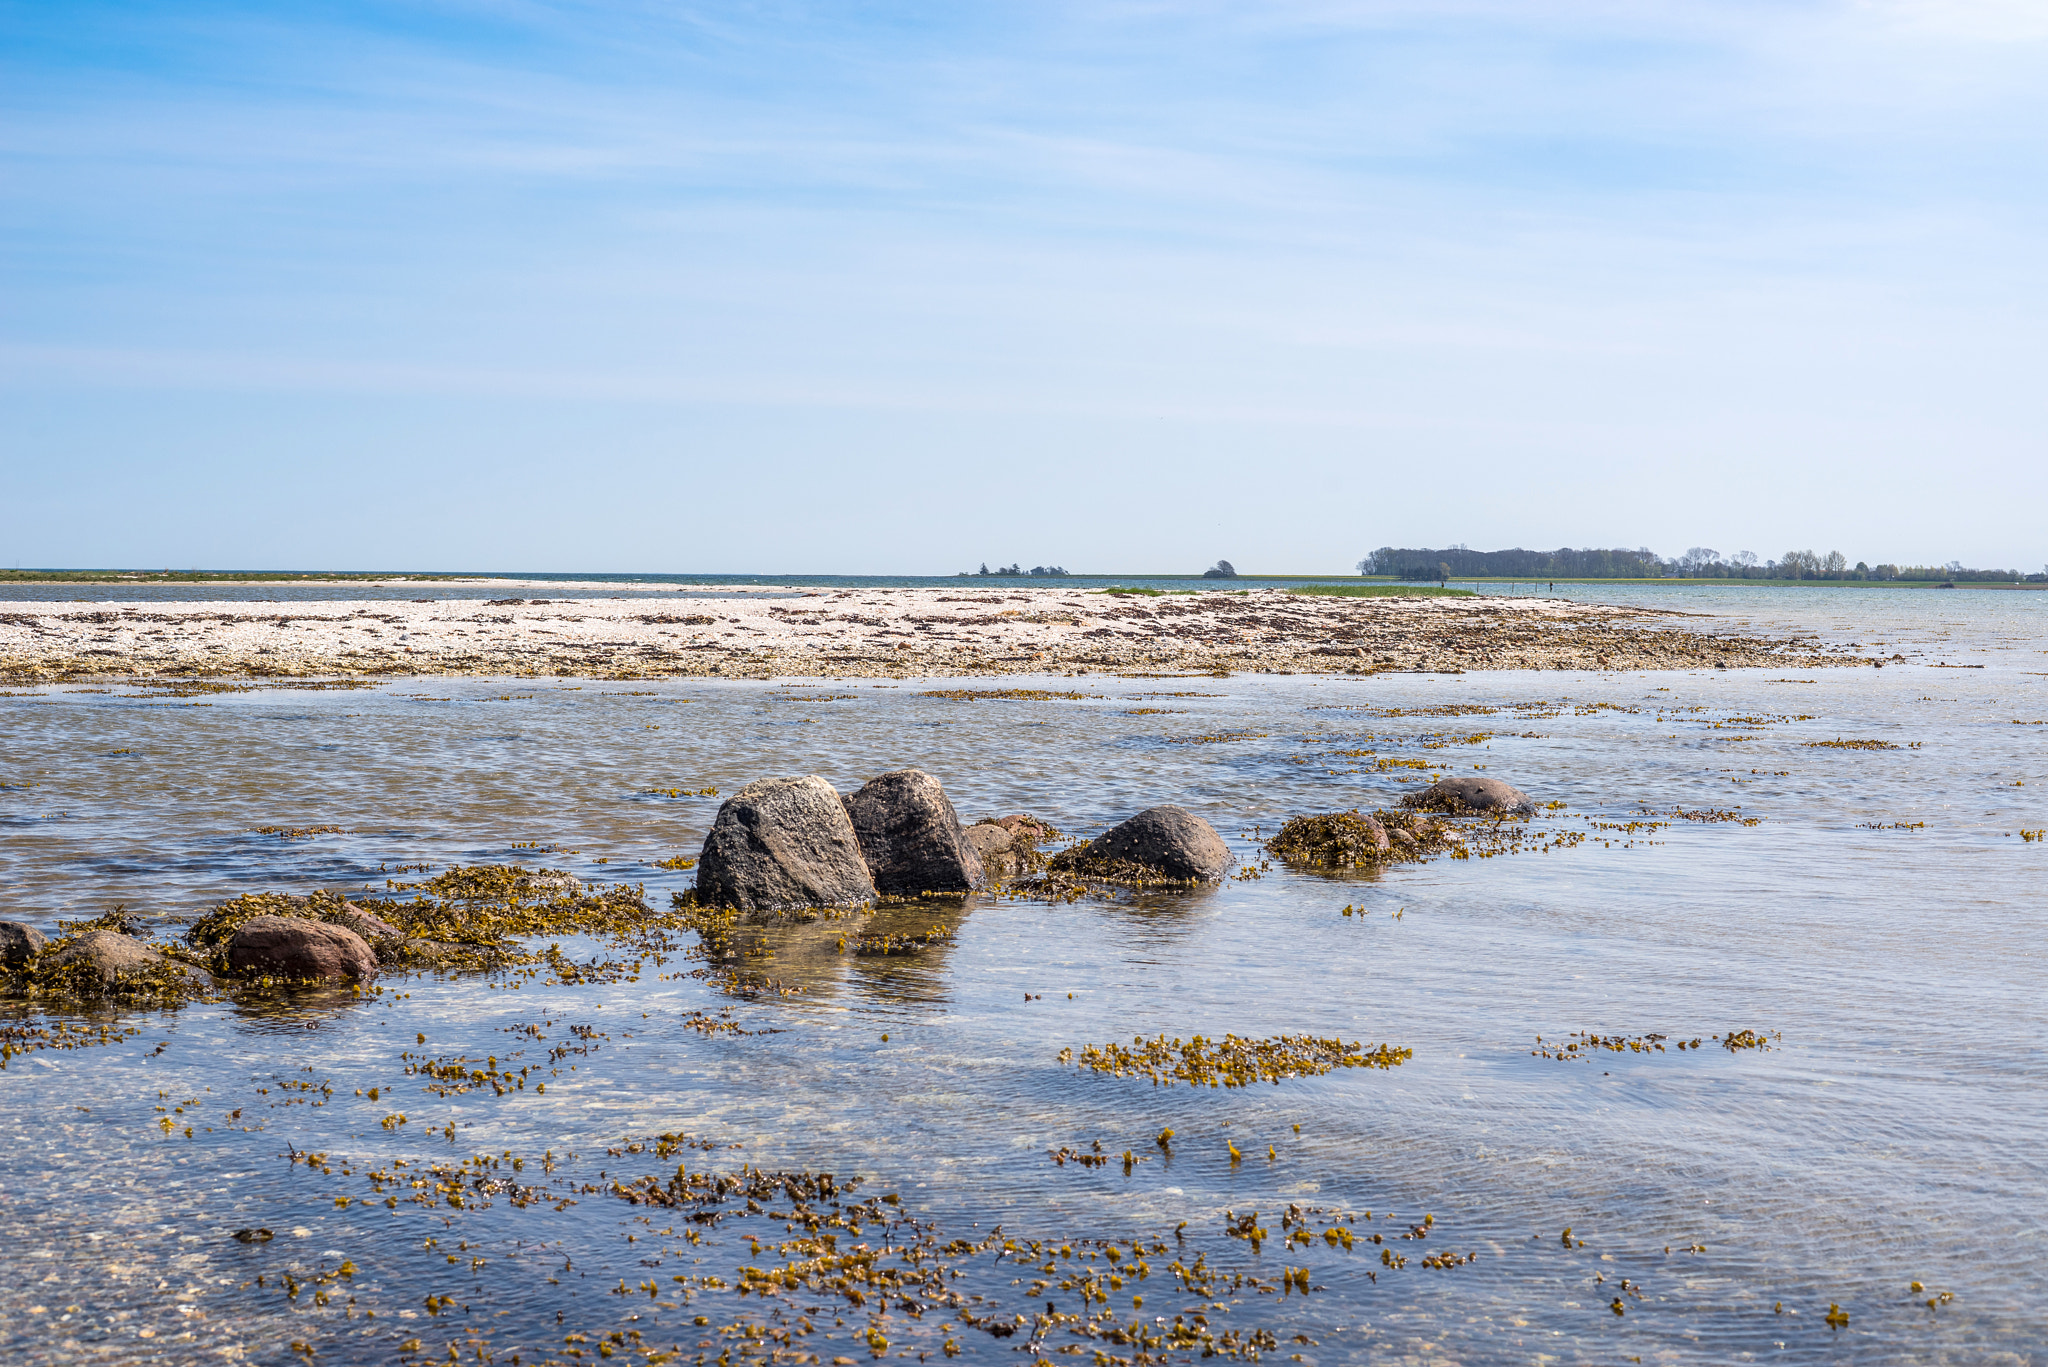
[{"x": 1883, "y": 922}]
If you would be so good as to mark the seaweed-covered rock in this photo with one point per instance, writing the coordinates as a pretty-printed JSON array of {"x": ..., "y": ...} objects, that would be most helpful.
[
  {"x": 19, "y": 943},
  {"x": 1361, "y": 840},
  {"x": 1168, "y": 841},
  {"x": 910, "y": 835},
  {"x": 297, "y": 948},
  {"x": 1460, "y": 795},
  {"x": 1339, "y": 840},
  {"x": 108, "y": 961},
  {"x": 384, "y": 939},
  {"x": 783, "y": 844}
]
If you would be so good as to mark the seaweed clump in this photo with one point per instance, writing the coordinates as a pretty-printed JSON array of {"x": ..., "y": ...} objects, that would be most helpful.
[
  {"x": 1351, "y": 840},
  {"x": 467, "y": 918},
  {"x": 1232, "y": 1061},
  {"x": 1070, "y": 873}
]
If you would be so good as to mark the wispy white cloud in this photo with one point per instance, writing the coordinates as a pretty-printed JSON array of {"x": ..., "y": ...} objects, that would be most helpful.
[{"x": 1762, "y": 234}]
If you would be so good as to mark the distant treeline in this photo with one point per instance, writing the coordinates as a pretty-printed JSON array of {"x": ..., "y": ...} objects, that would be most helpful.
[
  {"x": 1018, "y": 570},
  {"x": 1700, "y": 562}
]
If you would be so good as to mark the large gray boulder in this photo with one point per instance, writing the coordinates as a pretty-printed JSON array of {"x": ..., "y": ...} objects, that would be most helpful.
[
  {"x": 1457, "y": 796},
  {"x": 19, "y": 942},
  {"x": 1170, "y": 839},
  {"x": 910, "y": 836},
  {"x": 783, "y": 844},
  {"x": 296, "y": 948},
  {"x": 111, "y": 961}
]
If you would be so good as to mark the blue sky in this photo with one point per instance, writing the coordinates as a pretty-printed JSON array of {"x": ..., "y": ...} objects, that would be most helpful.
[{"x": 1120, "y": 286}]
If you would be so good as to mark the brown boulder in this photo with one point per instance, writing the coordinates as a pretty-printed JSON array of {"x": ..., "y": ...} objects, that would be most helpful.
[
  {"x": 111, "y": 961},
  {"x": 382, "y": 937},
  {"x": 1457, "y": 796},
  {"x": 993, "y": 846},
  {"x": 19, "y": 942},
  {"x": 295, "y": 948}
]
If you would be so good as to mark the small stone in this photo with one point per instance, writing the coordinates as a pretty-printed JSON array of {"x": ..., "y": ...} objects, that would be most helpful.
[
  {"x": 551, "y": 883},
  {"x": 295, "y": 948}
]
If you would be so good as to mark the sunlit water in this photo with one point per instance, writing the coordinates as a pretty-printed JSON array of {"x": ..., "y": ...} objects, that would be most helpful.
[{"x": 1884, "y": 922}]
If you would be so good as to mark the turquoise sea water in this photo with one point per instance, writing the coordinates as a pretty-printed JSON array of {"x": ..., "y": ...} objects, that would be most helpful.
[{"x": 1880, "y": 925}]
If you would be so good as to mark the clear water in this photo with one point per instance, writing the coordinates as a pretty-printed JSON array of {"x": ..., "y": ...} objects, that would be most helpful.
[{"x": 1884, "y": 921}]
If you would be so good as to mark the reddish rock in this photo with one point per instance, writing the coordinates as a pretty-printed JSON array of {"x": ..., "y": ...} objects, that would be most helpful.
[{"x": 295, "y": 948}]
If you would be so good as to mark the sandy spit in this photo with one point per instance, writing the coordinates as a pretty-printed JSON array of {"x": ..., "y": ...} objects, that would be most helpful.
[{"x": 839, "y": 633}]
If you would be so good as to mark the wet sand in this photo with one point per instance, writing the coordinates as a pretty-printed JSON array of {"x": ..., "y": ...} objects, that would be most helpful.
[{"x": 843, "y": 633}]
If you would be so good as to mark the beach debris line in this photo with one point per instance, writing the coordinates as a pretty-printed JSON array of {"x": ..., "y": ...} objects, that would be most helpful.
[
  {"x": 188, "y": 648},
  {"x": 1232, "y": 1061}
]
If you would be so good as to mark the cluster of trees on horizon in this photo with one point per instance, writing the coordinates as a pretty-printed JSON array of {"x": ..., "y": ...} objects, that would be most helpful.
[
  {"x": 1036, "y": 571},
  {"x": 1700, "y": 562}
]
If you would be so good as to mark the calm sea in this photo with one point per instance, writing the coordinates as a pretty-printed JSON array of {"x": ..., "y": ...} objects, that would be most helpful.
[{"x": 1878, "y": 923}]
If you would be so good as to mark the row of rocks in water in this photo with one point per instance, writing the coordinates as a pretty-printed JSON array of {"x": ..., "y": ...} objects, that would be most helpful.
[
  {"x": 777, "y": 847},
  {"x": 796, "y": 845}
]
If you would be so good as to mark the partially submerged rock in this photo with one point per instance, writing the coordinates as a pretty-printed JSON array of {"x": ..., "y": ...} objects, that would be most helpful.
[
  {"x": 19, "y": 943},
  {"x": 1009, "y": 845},
  {"x": 385, "y": 939},
  {"x": 1164, "y": 844},
  {"x": 1464, "y": 795},
  {"x": 106, "y": 961},
  {"x": 993, "y": 846},
  {"x": 781, "y": 845},
  {"x": 299, "y": 949},
  {"x": 1355, "y": 840},
  {"x": 1339, "y": 840},
  {"x": 1025, "y": 826},
  {"x": 910, "y": 836}
]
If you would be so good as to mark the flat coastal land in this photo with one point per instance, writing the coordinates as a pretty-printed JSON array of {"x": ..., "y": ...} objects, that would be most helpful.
[{"x": 839, "y": 633}]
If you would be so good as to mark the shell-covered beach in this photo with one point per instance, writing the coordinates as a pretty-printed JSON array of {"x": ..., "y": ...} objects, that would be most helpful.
[{"x": 864, "y": 632}]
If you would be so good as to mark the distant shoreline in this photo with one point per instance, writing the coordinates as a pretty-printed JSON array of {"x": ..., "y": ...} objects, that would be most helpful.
[
  {"x": 959, "y": 629},
  {"x": 580, "y": 580}
]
